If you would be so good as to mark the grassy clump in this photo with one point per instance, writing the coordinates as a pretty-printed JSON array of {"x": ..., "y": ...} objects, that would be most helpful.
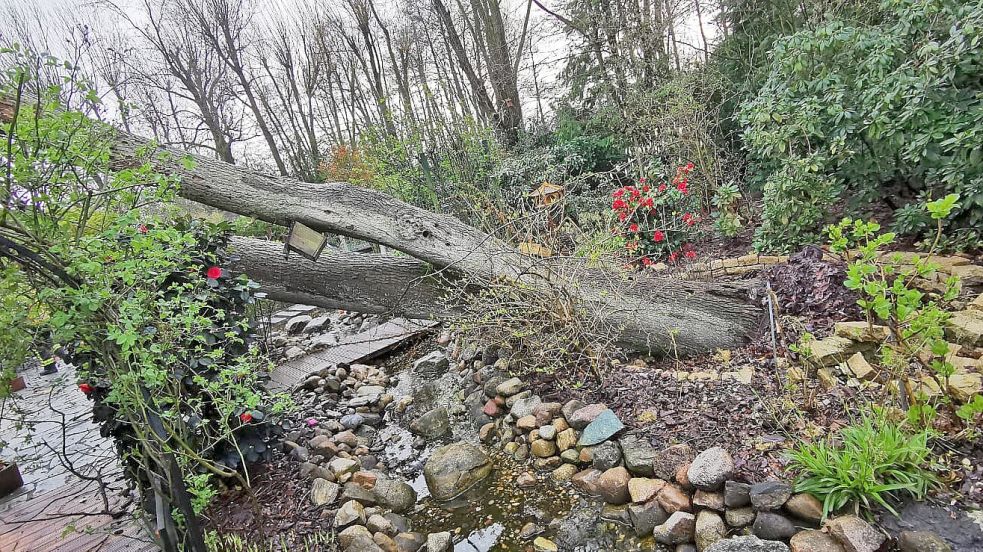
[{"x": 873, "y": 461}]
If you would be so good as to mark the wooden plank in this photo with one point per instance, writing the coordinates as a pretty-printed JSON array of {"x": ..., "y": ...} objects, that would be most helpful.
[{"x": 357, "y": 348}]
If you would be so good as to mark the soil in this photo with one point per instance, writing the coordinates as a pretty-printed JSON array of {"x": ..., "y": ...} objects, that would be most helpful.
[{"x": 277, "y": 511}]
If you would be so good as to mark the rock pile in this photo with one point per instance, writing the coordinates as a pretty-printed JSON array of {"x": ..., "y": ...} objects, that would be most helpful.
[
  {"x": 683, "y": 499},
  {"x": 842, "y": 357},
  {"x": 344, "y": 407}
]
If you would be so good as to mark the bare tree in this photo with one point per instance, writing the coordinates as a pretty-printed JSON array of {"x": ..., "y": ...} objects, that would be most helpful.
[{"x": 225, "y": 25}]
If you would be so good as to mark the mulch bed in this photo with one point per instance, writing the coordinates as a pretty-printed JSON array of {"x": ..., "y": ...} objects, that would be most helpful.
[{"x": 278, "y": 511}]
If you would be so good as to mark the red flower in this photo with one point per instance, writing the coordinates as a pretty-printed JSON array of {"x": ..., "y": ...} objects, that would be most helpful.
[
  {"x": 622, "y": 216},
  {"x": 673, "y": 256},
  {"x": 633, "y": 227},
  {"x": 646, "y": 188},
  {"x": 245, "y": 417},
  {"x": 642, "y": 180},
  {"x": 618, "y": 193},
  {"x": 85, "y": 388},
  {"x": 689, "y": 219},
  {"x": 647, "y": 202},
  {"x": 635, "y": 193},
  {"x": 682, "y": 187},
  {"x": 689, "y": 166},
  {"x": 658, "y": 236},
  {"x": 646, "y": 261},
  {"x": 662, "y": 188},
  {"x": 142, "y": 228},
  {"x": 618, "y": 204},
  {"x": 214, "y": 273},
  {"x": 691, "y": 254}
]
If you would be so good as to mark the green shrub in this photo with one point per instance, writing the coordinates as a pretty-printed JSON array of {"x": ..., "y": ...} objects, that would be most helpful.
[
  {"x": 871, "y": 109},
  {"x": 796, "y": 202},
  {"x": 874, "y": 461},
  {"x": 884, "y": 283}
]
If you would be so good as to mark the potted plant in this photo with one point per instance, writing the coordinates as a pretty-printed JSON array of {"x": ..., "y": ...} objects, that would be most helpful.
[{"x": 10, "y": 478}]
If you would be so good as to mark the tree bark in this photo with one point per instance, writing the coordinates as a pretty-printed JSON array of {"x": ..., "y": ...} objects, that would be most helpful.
[
  {"x": 659, "y": 314},
  {"x": 342, "y": 280}
]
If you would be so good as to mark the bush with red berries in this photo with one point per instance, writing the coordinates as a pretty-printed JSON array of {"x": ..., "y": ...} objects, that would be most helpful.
[{"x": 659, "y": 221}]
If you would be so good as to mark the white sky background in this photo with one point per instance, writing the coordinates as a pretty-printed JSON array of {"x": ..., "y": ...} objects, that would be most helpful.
[{"x": 50, "y": 20}]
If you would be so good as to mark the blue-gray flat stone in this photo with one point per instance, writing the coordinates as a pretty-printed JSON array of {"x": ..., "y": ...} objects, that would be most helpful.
[{"x": 605, "y": 426}]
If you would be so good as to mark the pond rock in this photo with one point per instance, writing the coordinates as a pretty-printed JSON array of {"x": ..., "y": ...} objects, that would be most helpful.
[
  {"x": 455, "y": 468},
  {"x": 922, "y": 541},
  {"x": 772, "y": 526},
  {"x": 606, "y": 456},
  {"x": 855, "y": 534},
  {"x": 432, "y": 424},
  {"x": 394, "y": 494},
  {"x": 639, "y": 455},
  {"x": 602, "y": 428},
  {"x": 582, "y": 417},
  {"x": 770, "y": 495},
  {"x": 679, "y": 528},
  {"x": 324, "y": 492},
  {"x": 439, "y": 542},
  {"x": 710, "y": 469},
  {"x": 817, "y": 541},
  {"x": 434, "y": 364},
  {"x": 748, "y": 543}
]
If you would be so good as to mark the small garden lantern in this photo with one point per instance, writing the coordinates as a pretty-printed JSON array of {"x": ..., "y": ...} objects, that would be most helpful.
[{"x": 304, "y": 240}]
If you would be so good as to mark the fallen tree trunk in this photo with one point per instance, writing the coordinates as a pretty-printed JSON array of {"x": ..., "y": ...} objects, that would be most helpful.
[
  {"x": 645, "y": 313},
  {"x": 378, "y": 284},
  {"x": 642, "y": 311}
]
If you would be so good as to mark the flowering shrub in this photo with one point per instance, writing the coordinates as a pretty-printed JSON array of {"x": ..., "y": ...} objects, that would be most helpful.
[
  {"x": 145, "y": 303},
  {"x": 659, "y": 222}
]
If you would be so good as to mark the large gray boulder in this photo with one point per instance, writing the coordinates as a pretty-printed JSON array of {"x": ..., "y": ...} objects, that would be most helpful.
[{"x": 455, "y": 468}]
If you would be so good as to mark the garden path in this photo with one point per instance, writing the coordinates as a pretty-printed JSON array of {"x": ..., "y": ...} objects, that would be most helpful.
[{"x": 59, "y": 507}]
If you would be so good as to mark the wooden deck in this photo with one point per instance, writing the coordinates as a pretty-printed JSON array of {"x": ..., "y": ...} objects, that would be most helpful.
[
  {"x": 67, "y": 519},
  {"x": 55, "y": 509}
]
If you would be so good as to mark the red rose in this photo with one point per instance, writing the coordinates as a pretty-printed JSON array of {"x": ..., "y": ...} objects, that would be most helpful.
[
  {"x": 618, "y": 193},
  {"x": 85, "y": 388},
  {"x": 618, "y": 204},
  {"x": 246, "y": 417},
  {"x": 673, "y": 256},
  {"x": 658, "y": 236},
  {"x": 689, "y": 166},
  {"x": 691, "y": 254},
  {"x": 647, "y": 202},
  {"x": 682, "y": 187},
  {"x": 622, "y": 216},
  {"x": 633, "y": 227},
  {"x": 662, "y": 188},
  {"x": 214, "y": 273},
  {"x": 142, "y": 228}
]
